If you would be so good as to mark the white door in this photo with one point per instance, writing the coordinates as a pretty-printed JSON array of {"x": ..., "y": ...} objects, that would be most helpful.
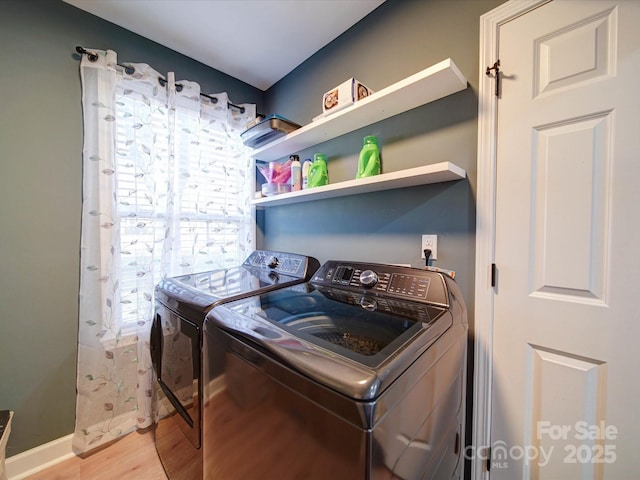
[{"x": 565, "y": 398}]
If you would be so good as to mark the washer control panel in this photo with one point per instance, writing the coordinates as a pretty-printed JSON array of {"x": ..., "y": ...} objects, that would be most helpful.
[{"x": 411, "y": 283}]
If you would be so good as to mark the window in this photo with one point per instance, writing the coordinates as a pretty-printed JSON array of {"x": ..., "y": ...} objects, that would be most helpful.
[
  {"x": 167, "y": 186},
  {"x": 182, "y": 184}
]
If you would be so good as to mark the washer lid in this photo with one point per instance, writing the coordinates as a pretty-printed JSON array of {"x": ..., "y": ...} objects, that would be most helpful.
[{"x": 357, "y": 346}]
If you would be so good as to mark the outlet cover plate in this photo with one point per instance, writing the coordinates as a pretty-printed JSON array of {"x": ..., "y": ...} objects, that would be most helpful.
[{"x": 430, "y": 242}]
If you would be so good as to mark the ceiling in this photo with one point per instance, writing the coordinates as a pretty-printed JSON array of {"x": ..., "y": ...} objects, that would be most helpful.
[{"x": 256, "y": 41}]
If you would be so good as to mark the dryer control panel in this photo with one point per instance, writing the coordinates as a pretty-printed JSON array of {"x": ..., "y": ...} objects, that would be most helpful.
[
  {"x": 281, "y": 262},
  {"x": 404, "y": 282}
]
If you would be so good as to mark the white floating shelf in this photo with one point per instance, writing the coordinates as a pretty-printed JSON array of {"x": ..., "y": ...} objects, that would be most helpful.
[
  {"x": 433, "y": 83},
  {"x": 439, "y": 172}
]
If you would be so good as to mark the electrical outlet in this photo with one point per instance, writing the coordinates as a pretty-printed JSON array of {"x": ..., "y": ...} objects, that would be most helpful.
[{"x": 430, "y": 242}]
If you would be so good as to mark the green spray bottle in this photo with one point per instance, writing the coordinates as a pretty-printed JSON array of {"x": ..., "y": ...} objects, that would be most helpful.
[
  {"x": 369, "y": 160},
  {"x": 318, "y": 173}
]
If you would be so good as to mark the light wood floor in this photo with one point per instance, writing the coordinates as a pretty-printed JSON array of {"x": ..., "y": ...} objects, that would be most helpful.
[{"x": 132, "y": 457}]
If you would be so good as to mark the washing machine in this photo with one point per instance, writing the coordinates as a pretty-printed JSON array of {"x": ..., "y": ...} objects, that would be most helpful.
[
  {"x": 176, "y": 346},
  {"x": 359, "y": 373}
]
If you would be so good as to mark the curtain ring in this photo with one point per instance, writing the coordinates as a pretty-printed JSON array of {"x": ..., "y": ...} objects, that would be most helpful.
[
  {"x": 92, "y": 56},
  {"x": 163, "y": 83}
]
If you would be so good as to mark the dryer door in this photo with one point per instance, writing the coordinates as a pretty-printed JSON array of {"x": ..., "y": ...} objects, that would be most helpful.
[{"x": 176, "y": 353}]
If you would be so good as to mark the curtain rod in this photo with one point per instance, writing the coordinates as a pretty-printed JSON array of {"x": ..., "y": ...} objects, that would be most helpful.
[{"x": 93, "y": 57}]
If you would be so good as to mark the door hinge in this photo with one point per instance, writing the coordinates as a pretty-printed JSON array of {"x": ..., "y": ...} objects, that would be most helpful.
[
  {"x": 494, "y": 274},
  {"x": 496, "y": 68},
  {"x": 487, "y": 465}
]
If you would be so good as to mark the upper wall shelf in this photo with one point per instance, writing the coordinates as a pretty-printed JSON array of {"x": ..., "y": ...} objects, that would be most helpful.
[{"x": 430, "y": 84}]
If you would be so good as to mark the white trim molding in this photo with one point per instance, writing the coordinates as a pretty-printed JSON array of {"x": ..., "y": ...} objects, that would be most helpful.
[
  {"x": 39, "y": 458},
  {"x": 490, "y": 24}
]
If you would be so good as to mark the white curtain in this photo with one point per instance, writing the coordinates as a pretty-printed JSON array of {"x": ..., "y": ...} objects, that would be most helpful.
[{"x": 167, "y": 185}]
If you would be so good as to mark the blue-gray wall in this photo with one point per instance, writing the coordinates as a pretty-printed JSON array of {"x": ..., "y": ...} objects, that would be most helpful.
[
  {"x": 41, "y": 188},
  {"x": 396, "y": 40},
  {"x": 41, "y": 172}
]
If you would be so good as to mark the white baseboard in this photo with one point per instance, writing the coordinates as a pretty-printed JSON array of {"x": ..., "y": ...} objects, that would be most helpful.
[{"x": 43, "y": 456}]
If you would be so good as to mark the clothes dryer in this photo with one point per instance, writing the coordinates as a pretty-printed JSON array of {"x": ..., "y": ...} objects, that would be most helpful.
[{"x": 176, "y": 346}]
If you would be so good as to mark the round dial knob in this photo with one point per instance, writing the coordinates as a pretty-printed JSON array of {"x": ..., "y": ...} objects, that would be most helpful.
[
  {"x": 272, "y": 262},
  {"x": 368, "y": 278}
]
